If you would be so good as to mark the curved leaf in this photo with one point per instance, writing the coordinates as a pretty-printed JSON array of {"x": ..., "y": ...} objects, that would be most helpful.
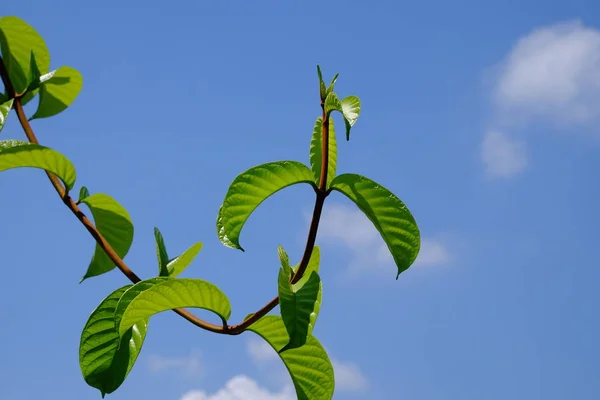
[
  {"x": 350, "y": 111},
  {"x": 316, "y": 153},
  {"x": 249, "y": 189},
  {"x": 155, "y": 295},
  {"x": 387, "y": 212},
  {"x": 178, "y": 264},
  {"x": 161, "y": 253},
  {"x": 313, "y": 266},
  {"x": 322, "y": 88},
  {"x": 297, "y": 305},
  {"x": 5, "y": 108},
  {"x": 83, "y": 193},
  {"x": 332, "y": 84},
  {"x": 105, "y": 359},
  {"x": 58, "y": 92},
  {"x": 309, "y": 365},
  {"x": 19, "y": 154},
  {"x": 114, "y": 223},
  {"x": 332, "y": 103},
  {"x": 17, "y": 41}
]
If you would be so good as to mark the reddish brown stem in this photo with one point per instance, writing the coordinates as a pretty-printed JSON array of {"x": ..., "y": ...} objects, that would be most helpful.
[{"x": 128, "y": 272}]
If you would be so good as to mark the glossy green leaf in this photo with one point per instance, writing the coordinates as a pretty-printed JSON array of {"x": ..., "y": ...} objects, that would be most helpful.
[
  {"x": 332, "y": 103},
  {"x": 178, "y": 264},
  {"x": 5, "y": 108},
  {"x": 3, "y": 97},
  {"x": 322, "y": 88},
  {"x": 313, "y": 266},
  {"x": 350, "y": 111},
  {"x": 83, "y": 193},
  {"x": 58, "y": 92},
  {"x": 309, "y": 365},
  {"x": 332, "y": 84},
  {"x": 249, "y": 189},
  {"x": 17, "y": 41},
  {"x": 316, "y": 153},
  {"x": 19, "y": 154},
  {"x": 161, "y": 253},
  {"x": 161, "y": 294},
  {"x": 34, "y": 73},
  {"x": 114, "y": 223},
  {"x": 105, "y": 358},
  {"x": 387, "y": 212},
  {"x": 297, "y": 305}
]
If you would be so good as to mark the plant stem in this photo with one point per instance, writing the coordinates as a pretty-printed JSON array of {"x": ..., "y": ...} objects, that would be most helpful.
[{"x": 321, "y": 194}]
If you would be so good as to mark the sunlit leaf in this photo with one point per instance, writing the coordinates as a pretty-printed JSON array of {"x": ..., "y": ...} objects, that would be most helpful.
[
  {"x": 105, "y": 358},
  {"x": 316, "y": 153},
  {"x": 332, "y": 103},
  {"x": 19, "y": 154},
  {"x": 322, "y": 88},
  {"x": 313, "y": 266},
  {"x": 114, "y": 223},
  {"x": 309, "y": 365},
  {"x": 387, "y": 212},
  {"x": 161, "y": 253},
  {"x": 17, "y": 41},
  {"x": 350, "y": 111},
  {"x": 332, "y": 84},
  {"x": 249, "y": 189},
  {"x": 58, "y": 92},
  {"x": 156, "y": 295},
  {"x": 178, "y": 264},
  {"x": 5, "y": 108}
]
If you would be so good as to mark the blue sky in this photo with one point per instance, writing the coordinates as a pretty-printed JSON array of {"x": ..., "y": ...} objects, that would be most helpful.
[{"x": 483, "y": 118}]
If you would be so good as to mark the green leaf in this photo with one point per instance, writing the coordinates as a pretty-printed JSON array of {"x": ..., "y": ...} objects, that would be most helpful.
[
  {"x": 161, "y": 294},
  {"x": 83, "y": 193},
  {"x": 249, "y": 189},
  {"x": 309, "y": 365},
  {"x": 5, "y": 108},
  {"x": 3, "y": 97},
  {"x": 322, "y": 88},
  {"x": 105, "y": 358},
  {"x": 297, "y": 307},
  {"x": 178, "y": 264},
  {"x": 114, "y": 223},
  {"x": 332, "y": 103},
  {"x": 313, "y": 266},
  {"x": 316, "y": 153},
  {"x": 34, "y": 73},
  {"x": 58, "y": 92},
  {"x": 332, "y": 84},
  {"x": 161, "y": 253},
  {"x": 300, "y": 302},
  {"x": 350, "y": 111},
  {"x": 19, "y": 154},
  {"x": 17, "y": 41},
  {"x": 387, "y": 212}
]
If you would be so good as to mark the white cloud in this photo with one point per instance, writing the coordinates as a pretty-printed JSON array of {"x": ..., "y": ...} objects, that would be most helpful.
[
  {"x": 189, "y": 365},
  {"x": 348, "y": 377},
  {"x": 551, "y": 75},
  {"x": 260, "y": 350},
  {"x": 242, "y": 387},
  {"x": 553, "y": 72},
  {"x": 503, "y": 156},
  {"x": 348, "y": 226}
]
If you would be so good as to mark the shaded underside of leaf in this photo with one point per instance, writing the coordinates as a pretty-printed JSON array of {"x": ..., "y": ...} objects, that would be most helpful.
[
  {"x": 250, "y": 189},
  {"x": 17, "y": 41},
  {"x": 105, "y": 359},
  {"x": 19, "y": 154},
  {"x": 388, "y": 214},
  {"x": 114, "y": 223},
  {"x": 309, "y": 365},
  {"x": 58, "y": 92},
  {"x": 316, "y": 153},
  {"x": 162, "y": 294}
]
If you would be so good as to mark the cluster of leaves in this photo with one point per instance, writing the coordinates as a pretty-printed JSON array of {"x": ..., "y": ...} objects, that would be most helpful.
[{"x": 114, "y": 334}]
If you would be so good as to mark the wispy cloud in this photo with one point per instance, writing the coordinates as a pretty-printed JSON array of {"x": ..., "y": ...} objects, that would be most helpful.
[
  {"x": 347, "y": 226},
  {"x": 503, "y": 156},
  {"x": 551, "y": 75},
  {"x": 190, "y": 365},
  {"x": 241, "y": 387}
]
